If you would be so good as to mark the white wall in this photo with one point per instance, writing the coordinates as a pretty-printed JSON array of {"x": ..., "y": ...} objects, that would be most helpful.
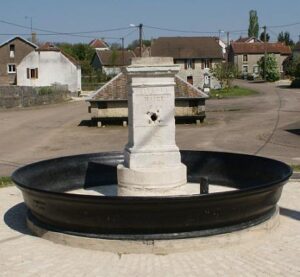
[{"x": 53, "y": 67}]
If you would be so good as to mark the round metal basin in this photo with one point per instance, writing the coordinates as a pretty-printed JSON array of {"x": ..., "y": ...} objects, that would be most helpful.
[{"x": 45, "y": 185}]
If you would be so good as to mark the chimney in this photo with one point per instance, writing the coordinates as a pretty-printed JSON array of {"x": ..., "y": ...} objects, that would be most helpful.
[{"x": 33, "y": 37}]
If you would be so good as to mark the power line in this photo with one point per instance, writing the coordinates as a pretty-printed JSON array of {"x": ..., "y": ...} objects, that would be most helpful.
[
  {"x": 285, "y": 25},
  {"x": 179, "y": 31},
  {"x": 66, "y": 33}
]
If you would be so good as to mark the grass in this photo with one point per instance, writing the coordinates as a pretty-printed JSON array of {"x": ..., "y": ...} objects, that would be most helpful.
[
  {"x": 295, "y": 167},
  {"x": 235, "y": 91},
  {"x": 5, "y": 182}
]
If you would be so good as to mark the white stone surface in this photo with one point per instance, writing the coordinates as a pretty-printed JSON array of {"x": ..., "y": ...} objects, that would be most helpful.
[{"x": 152, "y": 163}]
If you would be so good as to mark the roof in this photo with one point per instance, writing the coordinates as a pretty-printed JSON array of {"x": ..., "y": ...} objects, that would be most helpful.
[
  {"x": 187, "y": 47},
  {"x": 248, "y": 39},
  {"x": 259, "y": 48},
  {"x": 115, "y": 90},
  {"x": 297, "y": 46},
  {"x": 50, "y": 47},
  {"x": 114, "y": 57},
  {"x": 20, "y": 38},
  {"x": 98, "y": 43}
]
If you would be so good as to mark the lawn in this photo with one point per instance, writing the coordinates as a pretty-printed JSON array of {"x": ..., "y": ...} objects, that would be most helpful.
[
  {"x": 235, "y": 91},
  {"x": 5, "y": 181}
]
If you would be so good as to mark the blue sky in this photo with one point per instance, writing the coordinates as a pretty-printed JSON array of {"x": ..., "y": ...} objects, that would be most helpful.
[{"x": 195, "y": 15}]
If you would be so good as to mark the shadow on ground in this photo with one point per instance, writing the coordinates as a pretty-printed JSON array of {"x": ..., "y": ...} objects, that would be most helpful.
[
  {"x": 290, "y": 213},
  {"x": 15, "y": 218}
]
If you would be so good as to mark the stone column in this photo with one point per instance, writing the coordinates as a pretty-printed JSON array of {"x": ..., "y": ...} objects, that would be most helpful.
[{"x": 152, "y": 164}]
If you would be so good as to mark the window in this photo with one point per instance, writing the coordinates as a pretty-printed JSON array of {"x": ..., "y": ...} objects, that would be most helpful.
[
  {"x": 11, "y": 50},
  {"x": 190, "y": 79},
  {"x": 32, "y": 73},
  {"x": 11, "y": 68},
  {"x": 245, "y": 58},
  {"x": 189, "y": 63},
  {"x": 255, "y": 69},
  {"x": 206, "y": 63},
  {"x": 245, "y": 69}
]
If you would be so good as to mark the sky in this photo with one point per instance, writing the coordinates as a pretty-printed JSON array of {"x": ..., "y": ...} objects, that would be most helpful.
[{"x": 193, "y": 16}]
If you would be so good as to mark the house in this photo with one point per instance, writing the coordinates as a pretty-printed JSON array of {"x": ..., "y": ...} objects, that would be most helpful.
[
  {"x": 246, "y": 55},
  {"x": 12, "y": 52},
  {"x": 110, "y": 62},
  {"x": 48, "y": 65},
  {"x": 109, "y": 103},
  {"x": 99, "y": 44},
  {"x": 195, "y": 55}
]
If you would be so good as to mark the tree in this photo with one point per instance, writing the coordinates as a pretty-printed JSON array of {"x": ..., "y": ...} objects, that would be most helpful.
[
  {"x": 136, "y": 43},
  {"x": 253, "y": 24},
  {"x": 285, "y": 38},
  {"x": 272, "y": 72},
  {"x": 290, "y": 64},
  {"x": 225, "y": 73},
  {"x": 114, "y": 57},
  {"x": 116, "y": 46},
  {"x": 262, "y": 36},
  {"x": 81, "y": 52}
]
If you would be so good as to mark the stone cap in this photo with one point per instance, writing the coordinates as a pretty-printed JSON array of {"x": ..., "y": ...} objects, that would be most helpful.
[{"x": 152, "y": 65}]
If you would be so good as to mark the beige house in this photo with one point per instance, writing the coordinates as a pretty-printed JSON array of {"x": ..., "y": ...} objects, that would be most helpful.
[
  {"x": 12, "y": 53},
  {"x": 245, "y": 55},
  {"x": 195, "y": 55}
]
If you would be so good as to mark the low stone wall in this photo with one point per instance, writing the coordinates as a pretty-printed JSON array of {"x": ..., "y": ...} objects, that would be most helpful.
[
  {"x": 193, "y": 109},
  {"x": 21, "y": 96}
]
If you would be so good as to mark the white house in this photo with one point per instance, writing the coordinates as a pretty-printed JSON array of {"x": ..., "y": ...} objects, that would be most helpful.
[{"x": 48, "y": 65}]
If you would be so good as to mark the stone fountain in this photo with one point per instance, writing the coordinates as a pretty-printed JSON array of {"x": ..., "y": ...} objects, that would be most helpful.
[{"x": 151, "y": 190}]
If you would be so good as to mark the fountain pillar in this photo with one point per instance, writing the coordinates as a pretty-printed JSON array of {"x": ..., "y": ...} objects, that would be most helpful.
[{"x": 152, "y": 162}]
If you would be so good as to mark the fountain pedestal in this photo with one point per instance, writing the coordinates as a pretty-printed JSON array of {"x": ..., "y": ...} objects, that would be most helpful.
[{"x": 152, "y": 162}]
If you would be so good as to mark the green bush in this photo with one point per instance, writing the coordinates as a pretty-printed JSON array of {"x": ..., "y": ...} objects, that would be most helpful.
[{"x": 272, "y": 73}]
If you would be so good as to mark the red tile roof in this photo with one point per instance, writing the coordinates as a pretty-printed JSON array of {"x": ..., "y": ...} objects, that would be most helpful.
[
  {"x": 247, "y": 39},
  {"x": 98, "y": 43},
  {"x": 48, "y": 46},
  {"x": 187, "y": 47},
  {"x": 259, "y": 48}
]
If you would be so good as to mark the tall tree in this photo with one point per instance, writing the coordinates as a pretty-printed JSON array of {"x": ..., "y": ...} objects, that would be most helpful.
[
  {"x": 286, "y": 38},
  {"x": 262, "y": 36},
  {"x": 253, "y": 24}
]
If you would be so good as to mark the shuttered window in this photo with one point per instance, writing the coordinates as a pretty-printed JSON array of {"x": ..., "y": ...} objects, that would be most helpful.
[{"x": 32, "y": 73}]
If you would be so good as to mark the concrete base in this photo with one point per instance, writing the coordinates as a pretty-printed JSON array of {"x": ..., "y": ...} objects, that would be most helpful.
[
  {"x": 151, "y": 181},
  {"x": 246, "y": 236}
]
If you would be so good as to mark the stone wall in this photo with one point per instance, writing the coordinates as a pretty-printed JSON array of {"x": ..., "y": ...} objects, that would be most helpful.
[
  {"x": 184, "y": 108},
  {"x": 21, "y": 96}
]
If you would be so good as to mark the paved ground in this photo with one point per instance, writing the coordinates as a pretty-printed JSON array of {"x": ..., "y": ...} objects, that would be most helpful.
[
  {"x": 272, "y": 254},
  {"x": 255, "y": 124}
]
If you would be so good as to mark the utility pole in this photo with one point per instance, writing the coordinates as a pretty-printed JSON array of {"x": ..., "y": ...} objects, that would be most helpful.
[
  {"x": 265, "y": 54},
  {"x": 141, "y": 38},
  {"x": 123, "y": 56}
]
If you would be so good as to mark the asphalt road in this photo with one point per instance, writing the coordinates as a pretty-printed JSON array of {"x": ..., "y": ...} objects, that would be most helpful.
[{"x": 256, "y": 124}]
